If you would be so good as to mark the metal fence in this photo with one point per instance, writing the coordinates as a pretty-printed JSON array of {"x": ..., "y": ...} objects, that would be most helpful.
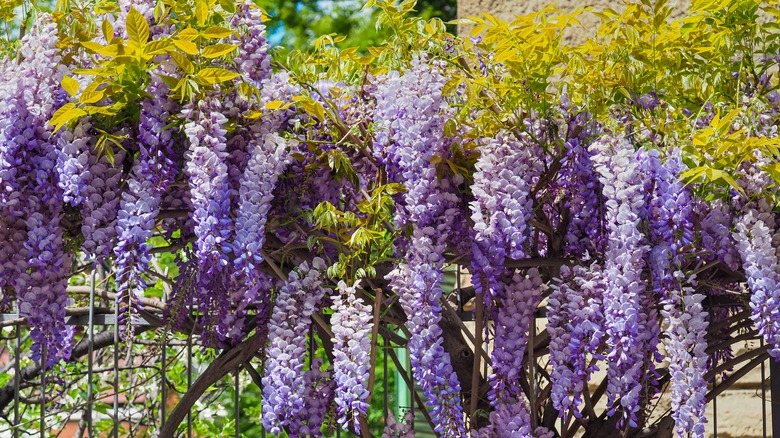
[{"x": 110, "y": 402}]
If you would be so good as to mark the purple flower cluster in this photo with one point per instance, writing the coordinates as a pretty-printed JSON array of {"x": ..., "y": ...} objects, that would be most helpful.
[
  {"x": 252, "y": 59},
  {"x": 521, "y": 297},
  {"x": 136, "y": 219},
  {"x": 317, "y": 396},
  {"x": 418, "y": 286},
  {"x": 581, "y": 186},
  {"x": 760, "y": 263},
  {"x": 284, "y": 380},
  {"x": 351, "y": 325},
  {"x": 715, "y": 221},
  {"x": 30, "y": 197},
  {"x": 576, "y": 327},
  {"x": 502, "y": 206},
  {"x": 269, "y": 157},
  {"x": 670, "y": 212},
  {"x": 154, "y": 116},
  {"x": 686, "y": 347},
  {"x": 630, "y": 326},
  {"x": 399, "y": 429},
  {"x": 208, "y": 179},
  {"x": 410, "y": 118}
]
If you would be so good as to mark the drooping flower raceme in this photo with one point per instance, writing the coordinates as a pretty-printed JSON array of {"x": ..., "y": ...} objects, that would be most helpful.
[
  {"x": 410, "y": 117},
  {"x": 505, "y": 174},
  {"x": 760, "y": 263},
  {"x": 317, "y": 397},
  {"x": 519, "y": 300},
  {"x": 670, "y": 212},
  {"x": 138, "y": 210},
  {"x": 351, "y": 324},
  {"x": 252, "y": 59},
  {"x": 576, "y": 327},
  {"x": 629, "y": 327},
  {"x": 210, "y": 193},
  {"x": 283, "y": 382},
  {"x": 31, "y": 200}
]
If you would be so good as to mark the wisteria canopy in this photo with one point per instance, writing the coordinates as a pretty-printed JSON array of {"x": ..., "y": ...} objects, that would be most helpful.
[{"x": 627, "y": 186}]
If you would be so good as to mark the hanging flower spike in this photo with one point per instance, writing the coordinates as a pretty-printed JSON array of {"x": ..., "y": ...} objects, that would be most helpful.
[
  {"x": 629, "y": 327},
  {"x": 351, "y": 325},
  {"x": 283, "y": 382}
]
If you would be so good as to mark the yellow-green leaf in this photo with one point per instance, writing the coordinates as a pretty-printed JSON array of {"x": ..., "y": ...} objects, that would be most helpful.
[
  {"x": 66, "y": 113},
  {"x": 274, "y": 105},
  {"x": 183, "y": 62},
  {"x": 187, "y": 34},
  {"x": 186, "y": 47},
  {"x": 137, "y": 27},
  {"x": 217, "y": 50},
  {"x": 91, "y": 96},
  {"x": 158, "y": 47},
  {"x": 70, "y": 85},
  {"x": 216, "y": 75},
  {"x": 202, "y": 12},
  {"x": 108, "y": 31},
  {"x": 216, "y": 32}
]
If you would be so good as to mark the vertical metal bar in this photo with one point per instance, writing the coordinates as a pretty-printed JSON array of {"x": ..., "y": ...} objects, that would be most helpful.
[
  {"x": 237, "y": 412},
  {"x": 532, "y": 372},
  {"x": 90, "y": 346},
  {"x": 413, "y": 393},
  {"x": 774, "y": 379},
  {"x": 763, "y": 394},
  {"x": 116, "y": 369},
  {"x": 715, "y": 410},
  {"x": 189, "y": 383},
  {"x": 43, "y": 391},
  {"x": 164, "y": 357},
  {"x": 17, "y": 376},
  {"x": 384, "y": 375},
  {"x": 460, "y": 292}
]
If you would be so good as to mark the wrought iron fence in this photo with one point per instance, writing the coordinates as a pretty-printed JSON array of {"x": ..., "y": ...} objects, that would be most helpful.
[{"x": 34, "y": 403}]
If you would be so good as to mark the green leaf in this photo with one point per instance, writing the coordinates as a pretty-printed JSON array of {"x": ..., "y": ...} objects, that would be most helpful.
[
  {"x": 186, "y": 47},
  {"x": 183, "y": 63},
  {"x": 216, "y": 75},
  {"x": 188, "y": 34},
  {"x": 274, "y": 105},
  {"x": 158, "y": 47},
  {"x": 91, "y": 96},
  {"x": 108, "y": 31},
  {"x": 202, "y": 12},
  {"x": 66, "y": 113},
  {"x": 216, "y": 32},
  {"x": 217, "y": 50},
  {"x": 137, "y": 27},
  {"x": 70, "y": 85}
]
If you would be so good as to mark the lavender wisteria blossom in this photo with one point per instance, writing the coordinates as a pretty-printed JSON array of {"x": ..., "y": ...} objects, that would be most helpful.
[
  {"x": 670, "y": 223},
  {"x": 207, "y": 174},
  {"x": 630, "y": 327},
  {"x": 284, "y": 380},
  {"x": 519, "y": 300},
  {"x": 252, "y": 60},
  {"x": 31, "y": 200},
  {"x": 760, "y": 262},
  {"x": 351, "y": 324},
  {"x": 317, "y": 398},
  {"x": 504, "y": 175},
  {"x": 576, "y": 327},
  {"x": 411, "y": 114}
]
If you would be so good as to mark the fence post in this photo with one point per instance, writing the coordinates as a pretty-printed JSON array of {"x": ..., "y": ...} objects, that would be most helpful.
[{"x": 774, "y": 378}]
